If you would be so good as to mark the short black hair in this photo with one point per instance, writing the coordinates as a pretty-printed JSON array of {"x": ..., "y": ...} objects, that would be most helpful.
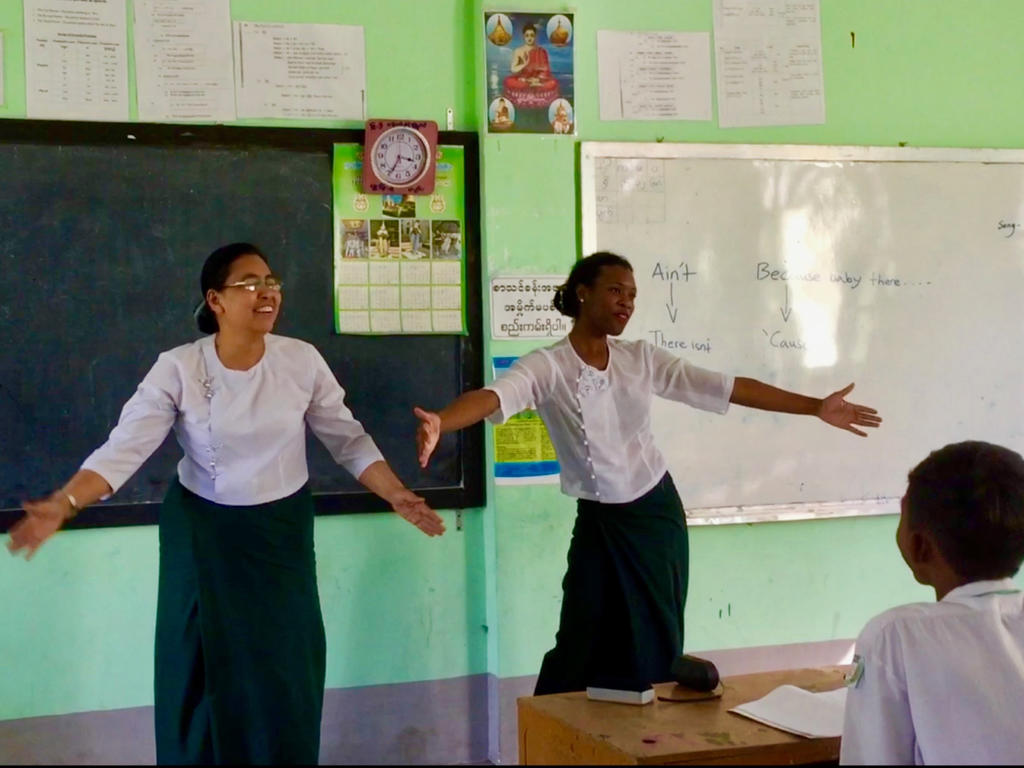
[
  {"x": 215, "y": 273},
  {"x": 584, "y": 272},
  {"x": 970, "y": 496}
]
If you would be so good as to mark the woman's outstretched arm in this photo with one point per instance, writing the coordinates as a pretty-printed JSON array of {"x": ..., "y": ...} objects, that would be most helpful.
[
  {"x": 465, "y": 410},
  {"x": 44, "y": 517},
  {"x": 832, "y": 410}
]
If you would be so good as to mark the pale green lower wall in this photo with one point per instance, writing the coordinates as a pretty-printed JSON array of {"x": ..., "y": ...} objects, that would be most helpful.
[
  {"x": 78, "y": 620},
  {"x": 398, "y": 607},
  {"x": 750, "y": 585}
]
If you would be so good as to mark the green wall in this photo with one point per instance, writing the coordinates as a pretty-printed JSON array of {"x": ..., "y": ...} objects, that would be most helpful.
[
  {"x": 924, "y": 72},
  {"x": 78, "y": 627}
]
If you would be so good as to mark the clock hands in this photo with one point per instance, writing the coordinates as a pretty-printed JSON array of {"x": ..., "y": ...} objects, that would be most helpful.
[{"x": 399, "y": 158}]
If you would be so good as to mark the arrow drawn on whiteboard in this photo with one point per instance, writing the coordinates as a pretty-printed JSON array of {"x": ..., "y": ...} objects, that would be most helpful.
[
  {"x": 671, "y": 306},
  {"x": 787, "y": 309}
]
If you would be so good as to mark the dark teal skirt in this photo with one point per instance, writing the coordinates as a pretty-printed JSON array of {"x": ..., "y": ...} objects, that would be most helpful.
[
  {"x": 240, "y": 647},
  {"x": 623, "y": 594}
]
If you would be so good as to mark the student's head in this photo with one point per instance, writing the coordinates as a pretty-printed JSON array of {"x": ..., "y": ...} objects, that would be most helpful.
[
  {"x": 600, "y": 290},
  {"x": 967, "y": 501},
  {"x": 239, "y": 291}
]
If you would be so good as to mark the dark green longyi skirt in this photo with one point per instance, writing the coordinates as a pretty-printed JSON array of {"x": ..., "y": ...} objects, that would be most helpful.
[
  {"x": 623, "y": 594},
  {"x": 240, "y": 647}
]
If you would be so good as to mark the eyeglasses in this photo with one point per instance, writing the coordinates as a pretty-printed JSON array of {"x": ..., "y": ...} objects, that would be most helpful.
[{"x": 252, "y": 284}]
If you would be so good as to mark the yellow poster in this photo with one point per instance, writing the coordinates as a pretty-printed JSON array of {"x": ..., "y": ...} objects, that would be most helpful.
[{"x": 523, "y": 453}]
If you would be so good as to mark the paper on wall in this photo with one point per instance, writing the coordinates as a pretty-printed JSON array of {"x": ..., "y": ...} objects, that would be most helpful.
[
  {"x": 654, "y": 75},
  {"x": 183, "y": 64},
  {"x": 308, "y": 71},
  {"x": 768, "y": 62},
  {"x": 75, "y": 59}
]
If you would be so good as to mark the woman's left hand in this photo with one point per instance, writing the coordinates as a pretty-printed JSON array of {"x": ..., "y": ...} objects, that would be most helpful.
[
  {"x": 415, "y": 509},
  {"x": 839, "y": 413}
]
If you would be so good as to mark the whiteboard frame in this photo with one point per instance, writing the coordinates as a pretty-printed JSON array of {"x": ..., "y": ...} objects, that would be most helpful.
[{"x": 590, "y": 151}]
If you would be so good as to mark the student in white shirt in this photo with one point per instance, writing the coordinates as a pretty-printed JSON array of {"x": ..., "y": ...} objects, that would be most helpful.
[
  {"x": 943, "y": 683},
  {"x": 625, "y": 587},
  {"x": 239, "y": 669}
]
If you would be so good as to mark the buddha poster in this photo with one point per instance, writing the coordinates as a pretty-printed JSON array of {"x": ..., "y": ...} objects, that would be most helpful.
[{"x": 530, "y": 83}]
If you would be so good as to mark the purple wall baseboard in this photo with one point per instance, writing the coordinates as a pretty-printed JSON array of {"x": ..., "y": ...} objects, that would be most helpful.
[{"x": 431, "y": 722}]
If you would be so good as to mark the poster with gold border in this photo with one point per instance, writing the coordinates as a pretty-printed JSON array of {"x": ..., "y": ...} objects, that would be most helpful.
[{"x": 530, "y": 73}]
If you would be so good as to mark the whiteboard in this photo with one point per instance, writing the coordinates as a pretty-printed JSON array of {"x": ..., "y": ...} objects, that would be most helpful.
[{"x": 808, "y": 268}]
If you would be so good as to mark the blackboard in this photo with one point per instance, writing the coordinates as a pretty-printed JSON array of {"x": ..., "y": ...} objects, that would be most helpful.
[{"x": 103, "y": 230}]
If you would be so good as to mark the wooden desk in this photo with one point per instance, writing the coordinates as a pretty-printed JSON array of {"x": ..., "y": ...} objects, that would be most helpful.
[{"x": 568, "y": 728}]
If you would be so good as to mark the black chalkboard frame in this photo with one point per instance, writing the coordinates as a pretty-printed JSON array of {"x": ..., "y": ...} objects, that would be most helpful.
[{"x": 469, "y": 491}]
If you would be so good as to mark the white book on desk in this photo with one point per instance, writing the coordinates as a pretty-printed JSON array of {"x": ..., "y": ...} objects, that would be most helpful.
[
  {"x": 792, "y": 709},
  {"x": 621, "y": 695}
]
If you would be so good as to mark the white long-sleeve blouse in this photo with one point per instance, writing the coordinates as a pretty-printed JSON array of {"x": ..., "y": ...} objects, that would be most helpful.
[{"x": 243, "y": 432}]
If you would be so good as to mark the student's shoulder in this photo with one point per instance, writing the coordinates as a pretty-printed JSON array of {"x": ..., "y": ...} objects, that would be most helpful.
[{"x": 907, "y": 619}]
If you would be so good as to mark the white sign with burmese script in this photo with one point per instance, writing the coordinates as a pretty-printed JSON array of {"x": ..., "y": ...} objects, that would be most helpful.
[{"x": 521, "y": 308}]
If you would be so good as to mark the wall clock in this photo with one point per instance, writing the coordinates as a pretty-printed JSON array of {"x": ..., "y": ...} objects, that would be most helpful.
[{"x": 399, "y": 157}]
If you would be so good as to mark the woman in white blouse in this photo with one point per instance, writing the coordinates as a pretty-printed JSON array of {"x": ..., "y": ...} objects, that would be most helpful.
[
  {"x": 625, "y": 587},
  {"x": 239, "y": 670}
]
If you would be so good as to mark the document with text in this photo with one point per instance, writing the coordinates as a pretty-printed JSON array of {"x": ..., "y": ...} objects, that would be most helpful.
[
  {"x": 183, "y": 63},
  {"x": 75, "y": 59},
  {"x": 654, "y": 75},
  {"x": 308, "y": 71},
  {"x": 768, "y": 62}
]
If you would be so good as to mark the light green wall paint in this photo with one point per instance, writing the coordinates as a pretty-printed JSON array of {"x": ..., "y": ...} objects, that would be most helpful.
[
  {"x": 400, "y": 607},
  {"x": 925, "y": 72},
  {"x": 78, "y": 627},
  {"x": 13, "y": 30}
]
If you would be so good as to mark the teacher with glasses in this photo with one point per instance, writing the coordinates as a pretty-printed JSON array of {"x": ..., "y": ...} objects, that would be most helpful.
[{"x": 240, "y": 644}]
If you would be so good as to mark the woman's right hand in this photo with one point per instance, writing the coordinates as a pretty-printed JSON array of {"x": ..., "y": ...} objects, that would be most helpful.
[
  {"x": 43, "y": 518},
  {"x": 428, "y": 433}
]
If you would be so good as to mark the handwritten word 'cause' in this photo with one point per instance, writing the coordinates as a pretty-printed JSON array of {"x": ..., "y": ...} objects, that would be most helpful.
[{"x": 776, "y": 340}]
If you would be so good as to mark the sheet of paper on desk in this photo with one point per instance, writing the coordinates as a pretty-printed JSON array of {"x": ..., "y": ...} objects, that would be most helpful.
[{"x": 795, "y": 710}]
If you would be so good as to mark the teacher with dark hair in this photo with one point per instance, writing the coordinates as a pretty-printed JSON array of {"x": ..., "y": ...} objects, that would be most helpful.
[
  {"x": 627, "y": 575},
  {"x": 240, "y": 645}
]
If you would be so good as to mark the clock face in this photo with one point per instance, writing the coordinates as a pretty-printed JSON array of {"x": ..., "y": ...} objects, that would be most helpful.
[{"x": 400, "y": 156}]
